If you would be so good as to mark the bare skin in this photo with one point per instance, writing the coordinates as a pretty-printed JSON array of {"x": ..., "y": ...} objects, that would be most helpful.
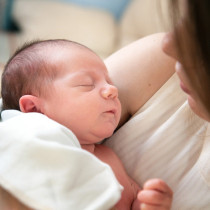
[
  {"x": 143, "y": 68},
  {"x": 146, "y": 69},
  {"x": 9, "y": 202},
  {"x": 154, "y": 195},
  {"x": 129, "y": 193}
]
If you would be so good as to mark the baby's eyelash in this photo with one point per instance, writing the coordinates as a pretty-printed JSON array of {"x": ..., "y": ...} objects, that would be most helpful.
[{"x": 87, "y": 85}]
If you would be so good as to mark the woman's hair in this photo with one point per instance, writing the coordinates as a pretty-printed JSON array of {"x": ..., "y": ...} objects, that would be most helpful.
[
  {"x": 30, "y": 71},
  {"x": 196, "y": 27}
]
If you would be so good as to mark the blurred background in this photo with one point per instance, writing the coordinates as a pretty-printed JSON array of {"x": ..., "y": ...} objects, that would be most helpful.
[{"x": 102, "y": 25}]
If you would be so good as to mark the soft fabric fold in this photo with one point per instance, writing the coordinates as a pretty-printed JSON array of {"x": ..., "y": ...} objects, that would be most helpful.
[{"x": 43, "y": 165}]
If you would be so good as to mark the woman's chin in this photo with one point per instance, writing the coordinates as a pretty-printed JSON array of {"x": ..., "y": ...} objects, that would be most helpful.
[{"x": 197, "y": 108}]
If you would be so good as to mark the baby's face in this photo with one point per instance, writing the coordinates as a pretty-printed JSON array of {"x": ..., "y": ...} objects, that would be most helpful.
[{"x": 84, "y": 98}]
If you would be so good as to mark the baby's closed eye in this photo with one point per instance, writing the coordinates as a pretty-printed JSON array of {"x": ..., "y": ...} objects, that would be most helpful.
[
  {"x": 86, "y": 82},
  {"x": 85, "y": 86}
]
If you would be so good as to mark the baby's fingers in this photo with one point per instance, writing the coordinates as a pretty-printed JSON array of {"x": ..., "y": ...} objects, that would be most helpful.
[
  {"x": 155, "y": 195},
  {"x": 159, "y": 185},
  {"x": 151, "y": 207}
]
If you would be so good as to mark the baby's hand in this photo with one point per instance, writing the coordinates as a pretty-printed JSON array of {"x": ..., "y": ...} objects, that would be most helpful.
[{"x": 155, "y": 195}]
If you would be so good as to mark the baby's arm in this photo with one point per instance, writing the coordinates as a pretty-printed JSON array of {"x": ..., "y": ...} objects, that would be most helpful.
[
  {"x": 9, "y": 202},
  {"x": 155, "y": 195}
]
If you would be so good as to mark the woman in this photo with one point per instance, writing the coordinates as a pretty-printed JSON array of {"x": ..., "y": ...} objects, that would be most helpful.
[
  {"x": 191, "y": 35},
  {"x": 164, "y": 138}
]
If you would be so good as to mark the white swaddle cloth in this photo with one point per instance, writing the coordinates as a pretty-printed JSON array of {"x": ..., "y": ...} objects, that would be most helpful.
[
  {"x": 166, "y": 140},
  {"x": 43, "y": 165}
]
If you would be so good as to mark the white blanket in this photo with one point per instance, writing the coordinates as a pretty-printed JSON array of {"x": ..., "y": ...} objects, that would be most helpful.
[{"x": 43, "y": 165}]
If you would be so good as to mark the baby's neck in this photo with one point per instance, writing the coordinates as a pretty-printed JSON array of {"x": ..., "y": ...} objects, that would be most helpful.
[{"x": 88, "y": 147}]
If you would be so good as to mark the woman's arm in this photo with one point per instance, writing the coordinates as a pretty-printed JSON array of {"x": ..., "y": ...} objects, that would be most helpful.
[{"x": 139, "y": 70}]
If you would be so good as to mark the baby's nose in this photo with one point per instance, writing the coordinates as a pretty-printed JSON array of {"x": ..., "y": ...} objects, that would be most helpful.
[{"x": 109, "y": 91}]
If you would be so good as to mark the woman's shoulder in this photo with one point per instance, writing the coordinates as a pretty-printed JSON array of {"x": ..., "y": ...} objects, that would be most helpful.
[{"x": 139, "y": 70}]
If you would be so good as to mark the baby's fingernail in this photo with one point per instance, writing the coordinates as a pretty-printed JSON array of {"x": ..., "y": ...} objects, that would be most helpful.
[{"x": 143, "y": 206}]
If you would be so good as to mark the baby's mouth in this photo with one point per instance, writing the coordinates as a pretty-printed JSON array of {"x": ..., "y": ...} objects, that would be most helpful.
[{"x": 112, "y": 111}]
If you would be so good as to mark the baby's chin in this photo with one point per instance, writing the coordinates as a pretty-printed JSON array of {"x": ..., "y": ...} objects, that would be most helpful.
[
  {"x": 106, "y": 131},
  {"x": 109, "y": 133},
  {"x": 95, "y": 137},
  {"x": 105, "y": 135}
]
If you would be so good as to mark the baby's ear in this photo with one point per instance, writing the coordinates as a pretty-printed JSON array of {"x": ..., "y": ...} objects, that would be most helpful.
[{"x": 29, "y": 103}]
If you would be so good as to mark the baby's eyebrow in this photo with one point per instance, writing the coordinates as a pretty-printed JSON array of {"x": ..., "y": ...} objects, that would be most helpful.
[
  {"x": 83, "y": 76},
  {"x": 75, "y": 76},
  {"x": 93, "y": 74},
  {"x": 81, "y": 73}
]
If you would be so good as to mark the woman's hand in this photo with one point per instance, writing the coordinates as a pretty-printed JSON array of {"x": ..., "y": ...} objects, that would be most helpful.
[{"x": 155, "y": 195}]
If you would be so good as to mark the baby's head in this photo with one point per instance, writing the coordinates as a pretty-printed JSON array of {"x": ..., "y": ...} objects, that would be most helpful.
[
  {"x": 68, "y": 83},
  {"x": 31, "y": 70}
]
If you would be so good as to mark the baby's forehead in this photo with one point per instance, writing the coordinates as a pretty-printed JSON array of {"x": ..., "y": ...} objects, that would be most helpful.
[
  {"x": 72, "y": 54},
  {"x": 69, "y": 46},
  {"x": 68, "y": 58},
  {"x": 61, "y": 52}
]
